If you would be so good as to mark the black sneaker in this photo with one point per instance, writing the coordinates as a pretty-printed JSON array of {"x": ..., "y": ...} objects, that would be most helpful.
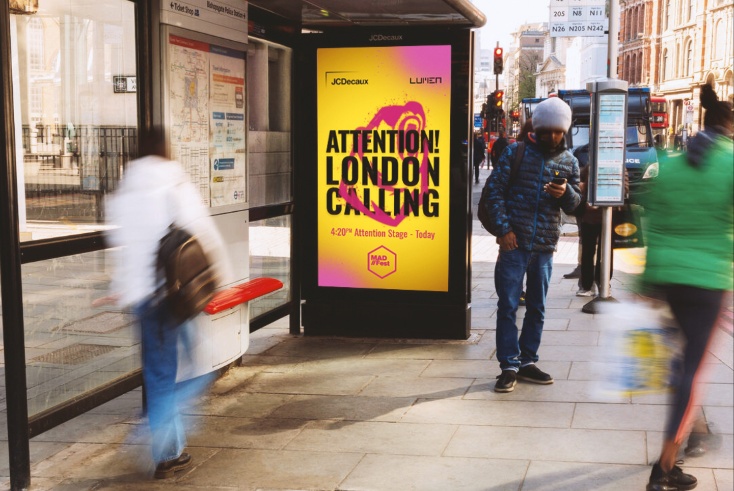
[
  {"x": 166, "y": 469},
  {"x": 531, "y": 373},
  {"x": 576, "y": 273},
  {"x": 506, "y": 381},
  {"x": 675, "y": 480}
]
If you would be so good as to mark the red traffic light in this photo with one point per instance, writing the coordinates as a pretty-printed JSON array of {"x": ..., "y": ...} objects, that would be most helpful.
[{"x": 498, "y": 61}]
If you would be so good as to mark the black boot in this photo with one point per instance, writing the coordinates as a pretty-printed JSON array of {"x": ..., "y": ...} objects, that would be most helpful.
[{"x": 675, "y": 480}]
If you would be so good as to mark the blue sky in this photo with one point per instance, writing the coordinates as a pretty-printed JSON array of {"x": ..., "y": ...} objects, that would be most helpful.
[{"x": 504, "y": 17}]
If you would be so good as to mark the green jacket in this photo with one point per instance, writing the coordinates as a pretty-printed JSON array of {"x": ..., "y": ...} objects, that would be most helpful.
[{"x": 690, "y": 216}]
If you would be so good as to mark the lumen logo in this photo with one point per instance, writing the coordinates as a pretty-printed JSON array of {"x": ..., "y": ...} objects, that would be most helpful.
[
  {"x": 382, "y": 37},
  {"x": 425, "y": 80}
]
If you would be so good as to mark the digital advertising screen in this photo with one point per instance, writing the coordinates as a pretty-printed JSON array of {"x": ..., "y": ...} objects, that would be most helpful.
[{"x": 383, "y": 131}]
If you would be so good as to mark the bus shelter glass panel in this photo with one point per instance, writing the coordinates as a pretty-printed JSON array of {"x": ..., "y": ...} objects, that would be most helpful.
[
  {"x": 71, "y": 347},
  {"x": 74, "y": 78},
  {"x": 269, "y": 135},
  {"x": 270, "y": 256}
]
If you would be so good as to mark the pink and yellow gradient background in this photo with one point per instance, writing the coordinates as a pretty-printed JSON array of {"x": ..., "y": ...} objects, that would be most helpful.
[{"x": 342, "y": 260}]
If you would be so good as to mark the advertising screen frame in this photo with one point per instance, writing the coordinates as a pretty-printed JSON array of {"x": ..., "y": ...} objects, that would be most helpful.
[{"x": 355, "y": 311}]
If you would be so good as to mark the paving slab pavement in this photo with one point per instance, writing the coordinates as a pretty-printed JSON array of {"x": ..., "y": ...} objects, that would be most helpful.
[{"x": 346, "y": 414}]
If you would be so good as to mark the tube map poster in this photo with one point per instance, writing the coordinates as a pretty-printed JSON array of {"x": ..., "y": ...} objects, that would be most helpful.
[
  {"x": 383, "y": 167},
  {"x": 206, "y": 91}
]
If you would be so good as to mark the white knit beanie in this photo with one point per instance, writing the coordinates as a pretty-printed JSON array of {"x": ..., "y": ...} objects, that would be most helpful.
[{"x": 552, "y": 114}]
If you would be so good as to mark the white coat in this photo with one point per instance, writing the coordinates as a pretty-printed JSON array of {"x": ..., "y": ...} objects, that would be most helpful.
[{"x": 154, "y": 193}]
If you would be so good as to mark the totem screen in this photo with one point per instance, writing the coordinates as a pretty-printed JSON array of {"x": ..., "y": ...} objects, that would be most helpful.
[{"x": 383, "y": 167}]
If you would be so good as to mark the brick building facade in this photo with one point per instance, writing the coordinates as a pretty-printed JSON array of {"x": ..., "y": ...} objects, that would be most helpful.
[{"x": 676, "y": 46}]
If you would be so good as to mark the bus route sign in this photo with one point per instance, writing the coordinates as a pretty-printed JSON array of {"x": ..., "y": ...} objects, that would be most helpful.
[{"x": 586, "y": 18}]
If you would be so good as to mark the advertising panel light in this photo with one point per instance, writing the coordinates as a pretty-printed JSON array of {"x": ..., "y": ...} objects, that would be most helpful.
[{"x": 383, "y": 167}]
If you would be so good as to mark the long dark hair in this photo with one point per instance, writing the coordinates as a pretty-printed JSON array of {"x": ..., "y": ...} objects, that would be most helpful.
[
  {"x": 527, "y": 128},
  {"x": 152, "y": 142}
]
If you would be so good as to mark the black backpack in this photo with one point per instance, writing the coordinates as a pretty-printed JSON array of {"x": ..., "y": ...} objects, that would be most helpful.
[
  {"x": 187, "y": 276},
  {"x": 483, "y": 207}
]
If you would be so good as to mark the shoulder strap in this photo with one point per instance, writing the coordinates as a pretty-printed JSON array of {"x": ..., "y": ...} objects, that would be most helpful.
[{"x": 519, "y": 155}]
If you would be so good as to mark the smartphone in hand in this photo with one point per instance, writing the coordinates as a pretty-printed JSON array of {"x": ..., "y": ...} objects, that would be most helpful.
[{"x": 559, "y": 180}]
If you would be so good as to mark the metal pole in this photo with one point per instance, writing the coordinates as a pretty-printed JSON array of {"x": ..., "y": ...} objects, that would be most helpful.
[
  {"x": 497, "y": 117},
  {"x": 10, "y": 275},
  {"x": 606, "y": 217}
]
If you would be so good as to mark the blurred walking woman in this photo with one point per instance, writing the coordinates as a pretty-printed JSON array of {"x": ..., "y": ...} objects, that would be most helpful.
[
  {"x": 689, "y": 260},
  {"x": 154, "y": 194}
]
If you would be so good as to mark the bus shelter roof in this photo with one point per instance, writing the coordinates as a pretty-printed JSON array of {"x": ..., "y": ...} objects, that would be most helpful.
[{"x": 321, "y": 14}]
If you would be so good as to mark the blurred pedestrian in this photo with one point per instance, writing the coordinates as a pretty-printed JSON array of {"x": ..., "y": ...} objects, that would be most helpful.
[
  {"x": 525, "y": 216},
  {"x": 582, "y": 155},
  {"x": 689, "y": 261},
  {"x": 479, "y": 154},
  {"x": 499, "y": 146},
  {"x": 590, "y": 224},
  {"x": 678, "y": 140},
  {"x": 154, "y": 194}
]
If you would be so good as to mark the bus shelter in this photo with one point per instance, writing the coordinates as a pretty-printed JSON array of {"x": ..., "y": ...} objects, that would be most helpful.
[{"x": 328, "y": 138}]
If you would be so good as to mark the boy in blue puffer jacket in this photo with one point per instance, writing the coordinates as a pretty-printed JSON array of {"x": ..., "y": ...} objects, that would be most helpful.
[{"x": 526, "y": 219}]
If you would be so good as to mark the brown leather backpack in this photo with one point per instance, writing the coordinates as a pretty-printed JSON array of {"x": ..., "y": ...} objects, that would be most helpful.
[{"x": 186, "y": 273}]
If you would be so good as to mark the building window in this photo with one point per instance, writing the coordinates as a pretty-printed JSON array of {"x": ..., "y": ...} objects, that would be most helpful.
[
  {"x": 681, "y": 8},
  {"x": 633, "y": 70},
  {"x": 35, "y": 44},
  {"x": 664, "y": 67},
  {"x": 690, "y": 7},
  {"x": 631, "y": 24},
  {"x": 677, "y": 67},
  {"x": 641, "y": 21},
  {"x": 36, "y": 104},
  {"x": 719, "y": 40},
  {"x": 689, "y": 59},
  {"x": 667, "y": 14}
]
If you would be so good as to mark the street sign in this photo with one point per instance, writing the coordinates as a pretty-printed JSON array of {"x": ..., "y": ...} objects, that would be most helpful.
[
  {"x": 608, "y": 141},
  {"x": 689, "y": 107},
  {"x": 477, "y": 120},
  {"x": 586, "y": 18}
]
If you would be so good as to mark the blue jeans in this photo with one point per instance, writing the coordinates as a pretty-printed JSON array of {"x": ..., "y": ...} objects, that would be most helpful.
[
  {"x": 159, "y": 339},
  {"x": 511, "y": 268}
]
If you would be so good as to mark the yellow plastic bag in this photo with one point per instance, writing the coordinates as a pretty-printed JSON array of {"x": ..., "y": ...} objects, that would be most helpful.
[{"x": 641, "y": 348}]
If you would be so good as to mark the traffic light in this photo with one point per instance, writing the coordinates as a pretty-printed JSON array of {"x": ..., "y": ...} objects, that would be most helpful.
[
  {"x": 491, "y": 104},
  {"x": 498, "y": 95},
  {"x": 498, "y": 62}
]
